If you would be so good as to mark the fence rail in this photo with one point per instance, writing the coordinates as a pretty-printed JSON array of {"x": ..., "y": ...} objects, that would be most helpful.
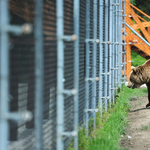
[{"x": 61, "y": 64}]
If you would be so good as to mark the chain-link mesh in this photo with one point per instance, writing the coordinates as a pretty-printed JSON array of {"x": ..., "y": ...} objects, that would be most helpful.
[
  {"x": 82, "y": 62},
  {"x": 68, "y": 67},
  {"x": 50, "y": 64},
  {"x": 22, "y": 67},
  {"x": 22, "y": 80},
  {"x": 97, "y": 62}
]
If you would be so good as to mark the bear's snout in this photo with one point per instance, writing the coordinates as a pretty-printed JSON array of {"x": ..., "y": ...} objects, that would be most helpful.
[{"x": 129, "y": 86}]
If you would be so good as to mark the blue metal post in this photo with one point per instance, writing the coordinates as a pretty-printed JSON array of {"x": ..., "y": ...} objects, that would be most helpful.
[
  {"x": 87, "y": 64},
  {"x": 116, "y": 52},
  {"x": 60, "y": 75},
  {"x": 106, "y": 53},
  {"x": 76, "y": 69},
  {"x": 124, "y": 41},
  {"x": 117, "y": 45},
  {"x": 118, "y": 41},
  {"x": 121, "y": 42},
  {"x": 110, "y": 53},
  {"x": 113, "y": 53},
  {"x": 39, "y": 71},
  {"x": 4, "y": 74},
  {"x": 101, "y": 56},
  {"x": 94, "y": 59}
]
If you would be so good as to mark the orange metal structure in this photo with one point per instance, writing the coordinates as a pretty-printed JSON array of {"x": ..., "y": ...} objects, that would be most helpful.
[{"x": 142, "y": 27}]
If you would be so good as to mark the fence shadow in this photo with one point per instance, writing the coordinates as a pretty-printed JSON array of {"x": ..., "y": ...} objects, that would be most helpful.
[{"x": 139, "y": 109}]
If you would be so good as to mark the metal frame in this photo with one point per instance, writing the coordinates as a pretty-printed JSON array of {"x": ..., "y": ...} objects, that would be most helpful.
[
  {"x": 124, "y": 54},
  {"x": 87, "y": 36},
  {"x": 60, "y": 75},
  {"x": 39, "y": 73},
  {"x": 76, "y": 70},
  {"x": 94, "y": 59},
  {"x": 4, "y": 86},
  {"x": 101, "y": 56},
  {"x": 110, "y": 13},
  {"x": 110, "y": 53},
  {"x": 106, "y": 54}
]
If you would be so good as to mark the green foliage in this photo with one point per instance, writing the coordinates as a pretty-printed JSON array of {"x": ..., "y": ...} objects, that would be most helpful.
[
  {"x": 133, "y": 2},
  {"x": 137, "y": 59},
  {"x": 142, "y": 5}
]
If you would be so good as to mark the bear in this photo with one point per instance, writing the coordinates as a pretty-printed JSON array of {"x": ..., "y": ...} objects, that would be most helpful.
[{"x": 140, "y": 75}]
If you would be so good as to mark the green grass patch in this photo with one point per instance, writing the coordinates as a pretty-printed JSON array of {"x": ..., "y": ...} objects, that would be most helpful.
[
  {"x": 146, "y": 127},
  {"x": 137, "y": 59},
  {"x": 111, "y": 126}
]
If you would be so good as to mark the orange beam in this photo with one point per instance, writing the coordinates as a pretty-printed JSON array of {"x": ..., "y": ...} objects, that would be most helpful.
[
  {"x": 140, "y": 11},
  {"x": 139, "y": 44},
  {"x": 141, "y": 18},
  {"x": 142, "y": 28},
  {"x": 128, "y": 46},
  {"x": 144, "y": 24}
]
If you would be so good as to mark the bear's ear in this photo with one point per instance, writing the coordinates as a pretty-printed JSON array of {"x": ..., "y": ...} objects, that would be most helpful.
[{"x": 133, "y": 69}]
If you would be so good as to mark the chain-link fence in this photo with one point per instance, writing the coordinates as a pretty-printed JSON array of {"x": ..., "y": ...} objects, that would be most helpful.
[{"x": 61, "y": 62}]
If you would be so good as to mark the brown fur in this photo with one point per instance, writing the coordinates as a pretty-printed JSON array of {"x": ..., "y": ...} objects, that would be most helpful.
[{"x": 140, "y": 75}]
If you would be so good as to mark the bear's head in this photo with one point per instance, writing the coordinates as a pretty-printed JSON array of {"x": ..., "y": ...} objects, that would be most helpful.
[{"x": 135, "y": 78}]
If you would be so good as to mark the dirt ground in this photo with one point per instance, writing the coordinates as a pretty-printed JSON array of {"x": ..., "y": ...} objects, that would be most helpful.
[{"x": 137, "y": 136}]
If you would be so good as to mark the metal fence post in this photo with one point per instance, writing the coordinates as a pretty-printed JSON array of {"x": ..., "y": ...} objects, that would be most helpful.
[
  {"x": 87, "y": 64},
  {"x": 113, "y": 52},
  {"x": 117, "y": 43},
  {"x": 106, "y": 53},
  {"x": 94, "y": 60},
  {"x": 60, "y": 75},
  {"x": 101, "y": 57},
  {"x": 39, "y": 71},
  {"x": 76, "y": 69},
  {"x": 4, "y": 71},
  {"x": 110, "y": 53},
  {"x": 124, "y": 41},
  {"x": 121, "y": 42},
  {"x": 115, "y": 49}
]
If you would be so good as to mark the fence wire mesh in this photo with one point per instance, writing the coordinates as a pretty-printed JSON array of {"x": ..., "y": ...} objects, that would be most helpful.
[{"x": 65, "y": 107}]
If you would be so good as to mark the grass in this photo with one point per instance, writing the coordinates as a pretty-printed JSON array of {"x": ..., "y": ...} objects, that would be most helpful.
[
  {"x": 137, "y": 59},
  {"x": 108, "y": 136},
  {"x": 111, "y": 126},
  {"x": 146, "y": 127}
]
